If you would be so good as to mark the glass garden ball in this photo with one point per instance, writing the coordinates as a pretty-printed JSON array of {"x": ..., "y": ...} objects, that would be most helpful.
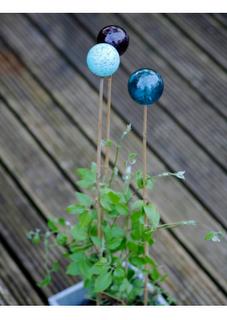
[
  {"x": 103, "y": 60},
  {"x": 145, "y": 86},
  {"x": 114, "y": 35}
]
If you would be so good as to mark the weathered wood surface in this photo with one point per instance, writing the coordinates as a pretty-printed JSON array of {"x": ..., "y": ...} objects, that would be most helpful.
[
  {"x": 187, "y": 60},
  {"x": 50, "y": 123},
  {"x": 17, "y": 215},
  {"x": 206, "y": 33},
  {"x": 164, "y": 136},
  {"x": 15, "y": 289},
  {"x": 74, "y": 143}
]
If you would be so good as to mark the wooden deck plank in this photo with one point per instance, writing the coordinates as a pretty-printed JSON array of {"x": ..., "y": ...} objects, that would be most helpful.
[
  {"x": 186, "y": 58},
  {"x": 205, "y": 32},
  {"x": 20, "y": 213},
  {"x": 14, "y": 286},
  {"x": 48, "y": 124},
  {"x": 168, "y": 141},
  {"x": 222, "y": 18},
  {"x": 6, "y": 298}
]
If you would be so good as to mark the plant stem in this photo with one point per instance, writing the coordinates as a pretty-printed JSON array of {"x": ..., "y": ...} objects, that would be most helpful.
[
  {"x": 98, "y": 160},
  {"x": 112, "y": 297},
  {"x": 115, "y": 164},
  {"x": 146, "y": 248},
  {"x": 128, "y": 228},
  {"x": 107, "y": 155}
]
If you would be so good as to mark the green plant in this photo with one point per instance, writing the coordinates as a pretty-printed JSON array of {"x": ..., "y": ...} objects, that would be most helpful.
[{"x": 106, "y": 259}]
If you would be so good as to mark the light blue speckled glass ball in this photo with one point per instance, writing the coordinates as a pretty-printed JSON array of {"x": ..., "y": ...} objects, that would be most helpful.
[
  {"x": 103, "y": 60},
  {"x": 145, "y": 86}
]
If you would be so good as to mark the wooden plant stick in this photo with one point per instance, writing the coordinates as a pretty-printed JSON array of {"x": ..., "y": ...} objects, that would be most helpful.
[
  {"x": 145, "y": 86},
  {"x": 146, "y": 248},
  {"x": 107, "y": 154},
  {"x": 98, "y": 161}
]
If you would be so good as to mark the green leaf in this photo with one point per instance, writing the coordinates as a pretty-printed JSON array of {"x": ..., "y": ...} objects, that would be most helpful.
[
  {"x": 137, "y": 261},
  {"x": 79, "y": 233},
  {"x": 122, "y": 209},
  {"x": 114, "y": 237},
  {"x": 36, "y": 239},
  {"x": 75, "y": 209},
  {"x": 119, "y": 273},
  {"x": 61, "y": 221},
  {"x": 85, "y": 219},
  {"x": 77, "y": 256},
  {"x": 97, "y": 241},
  {"x": 108, "y": 143},
  {"x": 135, "y": 248},
  {"x": 127, "y": 195},
  {"x": 85, "y": 267},
  {"x": 73, "y": 269},
  {"x": 45, "y": 282},
  {"x": 80, "y": 265},
  {"x": 150, "y": 183},
  {"x": 105, "y": 201},
  {"x": 116, "y": 231},
  {"x": 152, "y": 214},
  {"x": 126, "y": 287},
  {"x": 114, "y": 243},
  {"x": 137, "y": 223},
  {"x": 84, "y": 199},
  {"x": 52, "y": 226},
  {"x": 100, "y": 267},
  {"x": 139, "y": 179},
  {"x": 109, "y": 199},
  {"x": 87, "y": 176},
  {"x": 103, "y": 281},
  {"x": 34, "y": 236},
  {"x": 113, "y": 197},
  {"x": 61, "y": 239},
  {"x": 214, "y": 236}
]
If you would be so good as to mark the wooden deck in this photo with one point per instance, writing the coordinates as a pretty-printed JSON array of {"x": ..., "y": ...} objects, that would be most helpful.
[{"x": 48, "y": 106}]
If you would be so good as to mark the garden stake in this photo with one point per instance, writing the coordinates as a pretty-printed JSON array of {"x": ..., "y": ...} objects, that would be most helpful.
[
  {"x": 119, "y": 39},
  {"x": 98, "y": 159},
  {"x": 107, "y": 155},
  {"x": 102, "y": 60},
  {"x": 145, "y": 86},
  {"x": 146, "y": 248}
]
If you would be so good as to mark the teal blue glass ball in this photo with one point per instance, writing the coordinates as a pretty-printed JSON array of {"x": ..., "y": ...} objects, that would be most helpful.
[
  {"x": 103, "y": 60},
  {"x": 145, "y": 86}
]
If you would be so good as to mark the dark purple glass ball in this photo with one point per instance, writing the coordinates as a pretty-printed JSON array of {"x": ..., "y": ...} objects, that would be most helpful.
[{"x": 116, "y": 36}]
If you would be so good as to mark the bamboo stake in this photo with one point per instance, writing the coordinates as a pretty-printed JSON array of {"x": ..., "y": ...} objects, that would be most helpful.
[
  {"x": 107, "y": 155},
  {"x": 146, "y": 248},
  {"x": 98, "y": 161}
]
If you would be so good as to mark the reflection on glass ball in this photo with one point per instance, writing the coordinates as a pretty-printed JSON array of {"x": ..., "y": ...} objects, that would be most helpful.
[
  {"x": 145, "y": 86},
  {"x": 103, "y": 60},
  {"x": 116, "y": 36}
]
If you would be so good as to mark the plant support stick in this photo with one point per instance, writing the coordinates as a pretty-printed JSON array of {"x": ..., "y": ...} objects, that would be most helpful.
[
  {"x": 107, "y": 155},
  {"x": 98, "y": 160},
  {"x": 102, "y": 60},
  {"x": 146, "y": 248},
  {"x": 145, "y": 86}
]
